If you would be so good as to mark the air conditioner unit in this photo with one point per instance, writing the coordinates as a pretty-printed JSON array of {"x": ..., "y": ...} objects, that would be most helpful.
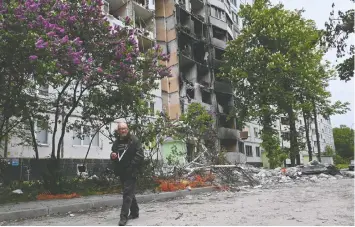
[{"x": 105, "y": 7}]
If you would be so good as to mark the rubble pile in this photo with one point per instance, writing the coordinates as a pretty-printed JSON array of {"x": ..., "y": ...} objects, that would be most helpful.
[{"x": 244, "y": 174}]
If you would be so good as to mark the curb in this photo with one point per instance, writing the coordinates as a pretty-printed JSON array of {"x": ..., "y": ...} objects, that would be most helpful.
[{"x": 96, "y": 204}]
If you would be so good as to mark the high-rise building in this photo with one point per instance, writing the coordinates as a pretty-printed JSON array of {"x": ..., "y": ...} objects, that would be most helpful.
[{"x": 195, "y": 34}]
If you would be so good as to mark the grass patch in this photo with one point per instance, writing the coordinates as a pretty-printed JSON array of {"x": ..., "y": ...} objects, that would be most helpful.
[{"x": 342, "y": 166}]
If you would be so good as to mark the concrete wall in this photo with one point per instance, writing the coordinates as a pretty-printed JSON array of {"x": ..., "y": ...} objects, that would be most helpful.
[{"x": 71, "y": 150}]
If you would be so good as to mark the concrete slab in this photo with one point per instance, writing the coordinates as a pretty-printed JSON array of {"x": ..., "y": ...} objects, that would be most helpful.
[
  {"x": 22, "y": 214},
  {"x": 107, "y": 203}
]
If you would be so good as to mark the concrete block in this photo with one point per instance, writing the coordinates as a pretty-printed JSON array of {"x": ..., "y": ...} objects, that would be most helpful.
[
  {"x": 32, "y": 213},
  {"x": 107, "y": 203},
  {"x": 165, "y": 196},
  {"x": 203, "y": 190},
  {"x": 145, "y": 198},
  {"x": 69, "y": 208}
]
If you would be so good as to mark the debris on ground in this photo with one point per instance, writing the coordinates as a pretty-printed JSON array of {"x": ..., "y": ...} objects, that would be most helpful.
[
  {"x": 17, "y": 191},
  {"x": 349, "y": 174},
  {"x": 245, "y": 175}
]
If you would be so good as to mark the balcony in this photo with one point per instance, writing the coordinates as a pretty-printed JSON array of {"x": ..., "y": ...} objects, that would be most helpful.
[
  {"x": 219, "y": 43},
  {"x": 205, "y": 105},
  {"x": 218, "y": 23},
  {"x": 227, "y": 133},
  {"x": 197, "y": 9},
  {"x": 114, "y": 21},
  {"x": 116, "y": 4},
  {"x": 223, "y": 87},
  {"x": 145, "y": 40},
  {"x": 141, "y": 8}
]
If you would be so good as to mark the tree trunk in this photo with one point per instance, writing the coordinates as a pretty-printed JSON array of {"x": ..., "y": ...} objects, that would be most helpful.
[
  {"x": 294, "y": 149},
  {"x": 6, "y": 138},
  {"x": 316, "y": 127},
  {"x": 34, "y": 141},
  {"x": 267, "y": 136},
  {"x": 306, "y": 125}
]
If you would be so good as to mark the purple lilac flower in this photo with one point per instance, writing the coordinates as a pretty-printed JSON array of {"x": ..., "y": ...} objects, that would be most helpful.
[
  {"x": 34, "y": 7},
  {"x": 40, "y": 44},
  {"x": 33, "y": 57},
  {"x": 72, "y": 19},
  {"x": 127, "y": 20},
  {"x": 51, "y": 33},
  {"x": 76, "y": 61},
  {"x": 77, "y": 41},
  {"x": 65, "y": 39},
  {"x": 40, "y": 18}
]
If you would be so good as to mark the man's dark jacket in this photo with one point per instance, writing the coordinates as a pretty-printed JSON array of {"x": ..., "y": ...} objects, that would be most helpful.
[{"x": 131, "y": 163}]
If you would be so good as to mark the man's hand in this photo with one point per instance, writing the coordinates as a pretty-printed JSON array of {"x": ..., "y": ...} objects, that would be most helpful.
[{"x": 114, "y": 156}]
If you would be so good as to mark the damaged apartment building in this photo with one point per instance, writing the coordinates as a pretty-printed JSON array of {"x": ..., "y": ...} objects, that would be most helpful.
[{"x": 195, "y": 33}]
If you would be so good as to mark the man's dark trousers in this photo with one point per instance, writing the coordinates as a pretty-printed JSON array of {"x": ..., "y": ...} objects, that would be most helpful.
[{"x": 129, "y": 198}]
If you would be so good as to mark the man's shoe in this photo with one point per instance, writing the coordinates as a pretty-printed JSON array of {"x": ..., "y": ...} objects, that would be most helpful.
[
  {"x": 122, "y": 222},
  {"x": 133, "y": 216}
]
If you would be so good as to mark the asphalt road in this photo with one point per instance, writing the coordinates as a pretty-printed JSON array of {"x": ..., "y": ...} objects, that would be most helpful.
[{"x": 328, "y": 202}]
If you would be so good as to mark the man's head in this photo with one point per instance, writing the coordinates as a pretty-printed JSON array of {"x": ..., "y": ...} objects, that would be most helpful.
[{"x": 122, "y": 129}]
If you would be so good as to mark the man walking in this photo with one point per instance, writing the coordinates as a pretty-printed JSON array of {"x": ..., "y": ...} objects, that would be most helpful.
[{"x": 127, "y": 155}]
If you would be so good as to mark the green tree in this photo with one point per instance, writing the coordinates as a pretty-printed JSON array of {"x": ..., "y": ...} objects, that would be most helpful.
[
  {"x": 329, "y": 151},
  {"x": 336, "y": 35},
  {"x": 315, "y": 101},
  {"x": 94, "y": 69},
  {"x": 270, "y": 64},
  {"x": 344, "y": 141}
]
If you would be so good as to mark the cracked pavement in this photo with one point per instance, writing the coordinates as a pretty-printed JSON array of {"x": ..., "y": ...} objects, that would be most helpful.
[{"x": 328, "y": 202}]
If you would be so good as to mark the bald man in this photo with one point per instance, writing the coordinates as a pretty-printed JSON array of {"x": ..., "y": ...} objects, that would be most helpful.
[{"x": 127, "y": 155}]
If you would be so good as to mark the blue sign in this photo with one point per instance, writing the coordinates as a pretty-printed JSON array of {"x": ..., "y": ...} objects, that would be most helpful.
[{"x": 15, "y": 162}]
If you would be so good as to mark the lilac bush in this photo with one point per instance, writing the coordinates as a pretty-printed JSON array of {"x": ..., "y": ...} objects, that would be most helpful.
[{"x": 71, "y": 47}]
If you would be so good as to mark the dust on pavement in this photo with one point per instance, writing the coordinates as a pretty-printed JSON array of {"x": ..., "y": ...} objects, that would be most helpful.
[{"x": 328, "y": 202}]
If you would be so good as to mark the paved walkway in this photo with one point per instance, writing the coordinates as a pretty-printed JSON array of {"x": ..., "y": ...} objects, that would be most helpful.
[
  {"x": 48, "y": 207},
  {"x": 328, "y": 202}
]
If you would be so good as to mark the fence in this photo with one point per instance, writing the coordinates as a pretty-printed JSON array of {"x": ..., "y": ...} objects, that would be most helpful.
[{"x": 30, "y": 169}]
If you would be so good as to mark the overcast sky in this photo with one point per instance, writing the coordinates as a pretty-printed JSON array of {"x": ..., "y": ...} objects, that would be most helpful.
[{"x": 318, "y": 10}]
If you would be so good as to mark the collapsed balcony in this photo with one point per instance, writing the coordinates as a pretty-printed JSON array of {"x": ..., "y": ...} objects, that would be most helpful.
[
  {"x": 144, "y": 43},
  {"x": 229, "y": 145},
  {"x": 141, "y": 8},
  {"x": 197, "y": 9},
  {"x": 225, "y": 109},
  {"x": 187, "y": 87},
  {"x": 218, "y": 58},
  {"x": 200, "y": 30},
  {"x": 203, "y": 76},
  {"x": 145, "y": 29},
  {"x": 115, "y": 5},
  {"x": 199, "y": 52},
  {"x": 191, "y": 51},
  {"x": 183, "y": 17},
  {"x": 223, "y": 86},
  {"x": 219, "y": 38},
  {"x": 185, "y": 55},
  {"x": 206, "y": 96}
]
